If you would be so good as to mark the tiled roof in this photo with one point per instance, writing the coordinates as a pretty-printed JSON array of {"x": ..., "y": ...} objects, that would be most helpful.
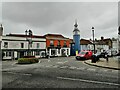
[
  {"x": 84, "y": 42},
  {"x": 55, "y": 36}
]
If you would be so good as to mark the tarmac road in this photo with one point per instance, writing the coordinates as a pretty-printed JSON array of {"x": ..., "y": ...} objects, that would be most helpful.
[{"x": 60, "y": 72}]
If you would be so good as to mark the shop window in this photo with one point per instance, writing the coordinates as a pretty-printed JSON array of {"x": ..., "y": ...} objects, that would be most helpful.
[
  {"x": 8, "y": 54},
  {"x": 37, "y": 53}
]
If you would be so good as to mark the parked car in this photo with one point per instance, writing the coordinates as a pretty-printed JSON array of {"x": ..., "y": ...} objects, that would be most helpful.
[{"x": 83, "y": 55}]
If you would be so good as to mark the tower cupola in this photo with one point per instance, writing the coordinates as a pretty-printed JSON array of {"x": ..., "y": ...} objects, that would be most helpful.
[{"x": 76, "y": 31}]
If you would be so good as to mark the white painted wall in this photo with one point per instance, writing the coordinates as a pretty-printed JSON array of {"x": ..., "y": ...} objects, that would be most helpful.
[{"x": 17, "y": 44}]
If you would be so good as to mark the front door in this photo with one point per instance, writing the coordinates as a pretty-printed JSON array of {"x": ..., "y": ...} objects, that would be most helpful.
[{"x": 21, "y": 54}]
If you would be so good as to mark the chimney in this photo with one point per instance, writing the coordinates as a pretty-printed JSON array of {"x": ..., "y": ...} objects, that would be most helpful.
[{"x": 102, "y": 38}]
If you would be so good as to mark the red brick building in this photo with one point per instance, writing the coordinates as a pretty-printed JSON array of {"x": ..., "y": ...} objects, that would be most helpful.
[{"x": 57, "y": 45}]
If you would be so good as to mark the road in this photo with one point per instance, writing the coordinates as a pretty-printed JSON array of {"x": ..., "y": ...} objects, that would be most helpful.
[{"x": 59, "y": 72}]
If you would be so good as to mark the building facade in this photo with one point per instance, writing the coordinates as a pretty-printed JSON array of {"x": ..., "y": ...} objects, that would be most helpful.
[
  {"x": 16, "y": 46},
  {"x": 57, "y": 45}
]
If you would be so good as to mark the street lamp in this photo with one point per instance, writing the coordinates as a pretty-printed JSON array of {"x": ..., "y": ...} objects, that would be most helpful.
[
  {"x": 119, "y": 39},
  {"x": 1, "y": 33},
  {"x": 93, "y": 39},
  {"x": 28, "y": 34}
]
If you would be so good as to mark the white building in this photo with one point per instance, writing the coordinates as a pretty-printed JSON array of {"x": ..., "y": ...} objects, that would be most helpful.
[{"x": 16, "y": 46}]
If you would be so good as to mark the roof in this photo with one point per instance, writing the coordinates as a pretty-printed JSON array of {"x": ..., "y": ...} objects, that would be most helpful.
[
  {"x": 84, "y": 42},
  {"x": 22, "y": 35},
  {"x": 55, "y": 36}
]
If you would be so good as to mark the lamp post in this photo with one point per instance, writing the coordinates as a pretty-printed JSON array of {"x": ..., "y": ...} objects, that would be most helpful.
[
  {"x": 93, "y": 39},
  {"x": 119, "y": 39},
  {"x": 1, "y": 33},
  {"x": 28, "y": 34}
]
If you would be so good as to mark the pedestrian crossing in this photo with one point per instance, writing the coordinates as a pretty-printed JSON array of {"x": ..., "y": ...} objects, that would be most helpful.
[{"x": 80, "y": 68}]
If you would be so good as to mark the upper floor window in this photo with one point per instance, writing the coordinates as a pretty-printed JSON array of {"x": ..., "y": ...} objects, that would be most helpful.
[
  {"x": 58, "y": 42},
  {"x": 22, "y": 45},
  {"x": 64, "y": 42},
  {"x": 6, "y": 44},
  {"x": 51, "y": 42},
  {"x": 38, "y": 45}
]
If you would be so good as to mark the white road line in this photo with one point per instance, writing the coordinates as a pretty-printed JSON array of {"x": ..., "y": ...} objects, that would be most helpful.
[
  {"x": 115, "y": 71},
  {"x": 48, "y": 60},
  {"x": 91, "y": 69},
  {"x": 60, "y": 62},
  {"x": 64, "y": 67},
  {"x": 47, "y": 66},
  {"x": 88, "y": 81},
  {"x": 20, "y": 73},
  {"x": 80, "y": 68},
  {"x": 39, "y": 61},
  {"x": 72, "y": 67},
  {"x": 55, "y": 66}
]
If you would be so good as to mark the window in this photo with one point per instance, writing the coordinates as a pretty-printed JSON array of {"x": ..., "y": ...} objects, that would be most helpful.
[
  {"x": 64, "y": 42},
  {"x": 8, "y": 54},
  {"x": 38, "y": 45},
  {"x": 37, "y": 53},
  {"x": 58, "y": 42},
  {"x": 51, "y": 42},
  {"x": 6, "y": 44},
  {"x": 58, "y": 51},
  {"x": 22, "y": 45}
]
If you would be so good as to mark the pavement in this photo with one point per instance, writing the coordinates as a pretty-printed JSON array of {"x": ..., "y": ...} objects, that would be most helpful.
[{"x": 113, "y": 63}]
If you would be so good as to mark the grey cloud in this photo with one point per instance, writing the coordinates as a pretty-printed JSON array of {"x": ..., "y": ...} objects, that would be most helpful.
[{"x": 58, "y": 17}]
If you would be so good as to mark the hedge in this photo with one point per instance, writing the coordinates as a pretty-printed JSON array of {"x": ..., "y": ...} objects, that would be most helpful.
[{"x": 27, "y": 60}]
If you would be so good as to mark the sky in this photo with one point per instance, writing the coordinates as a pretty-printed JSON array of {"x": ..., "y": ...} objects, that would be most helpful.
[{"x": 59, "y": 18}]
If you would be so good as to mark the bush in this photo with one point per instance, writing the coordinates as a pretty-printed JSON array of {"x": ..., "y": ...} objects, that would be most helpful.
[{"x": 27, "y": 60}]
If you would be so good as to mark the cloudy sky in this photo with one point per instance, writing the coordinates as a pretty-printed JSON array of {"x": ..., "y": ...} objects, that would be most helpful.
[{"x": 59, "y": 18}]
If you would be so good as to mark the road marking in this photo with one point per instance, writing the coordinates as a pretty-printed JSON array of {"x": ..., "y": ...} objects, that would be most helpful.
[
  {"x": 115, "y": 71},
  {"x": 39, "y": 61},
  {"x": 61, "y": 62},
  {"x": 48, "y": 66},
  {"x": 80, "y": 68},
  {"x": 91, "y": 69},
  {"x": 72, "y": 67},
  {"x": 64, "y": 67},
  {"x": 88, "y": 81},
  {"x": 20, "y": 73},
  {"x": 55, "y": 66},
  {"x": 48, "y": 60}
]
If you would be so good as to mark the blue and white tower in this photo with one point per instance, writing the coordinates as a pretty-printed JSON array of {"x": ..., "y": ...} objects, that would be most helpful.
[{"x": 76, "y": 38}]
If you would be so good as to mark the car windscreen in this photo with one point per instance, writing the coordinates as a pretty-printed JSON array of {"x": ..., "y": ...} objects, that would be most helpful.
[{"x": 83, "y": 53}]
